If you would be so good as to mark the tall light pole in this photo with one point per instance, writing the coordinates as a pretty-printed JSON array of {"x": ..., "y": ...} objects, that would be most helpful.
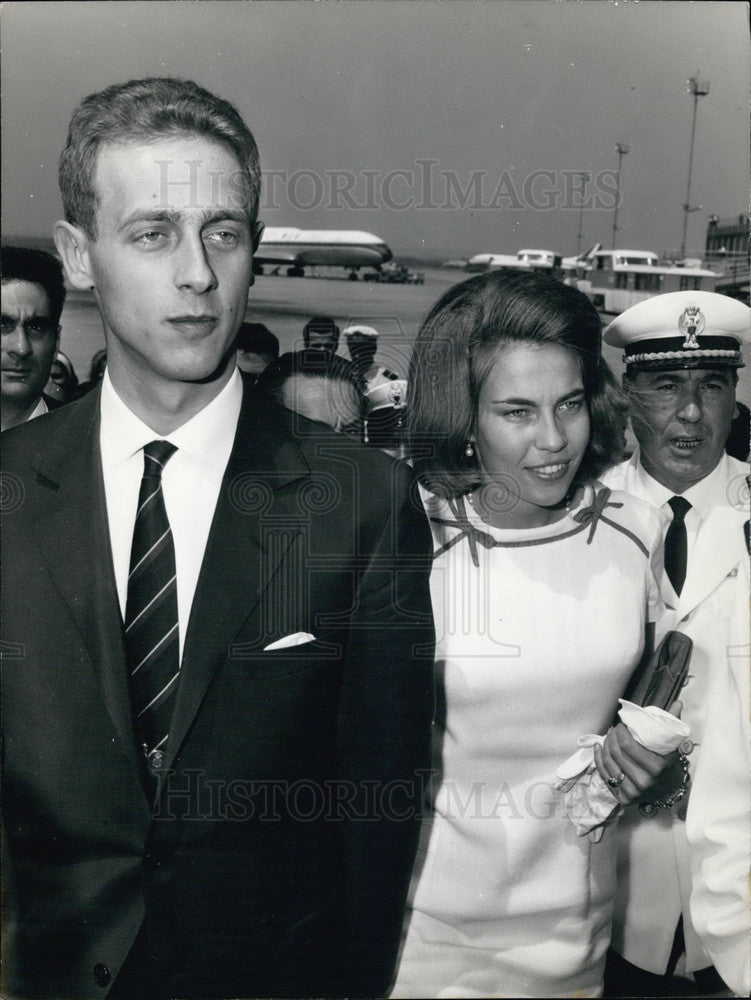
[
  {"x": 697, "y": 88},
  {"x": 583, "y": 178},
  {"x": 621, "y": 148}
]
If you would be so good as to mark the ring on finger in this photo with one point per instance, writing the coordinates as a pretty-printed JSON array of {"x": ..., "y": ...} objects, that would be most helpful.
[{"x": 617, "y": 781}]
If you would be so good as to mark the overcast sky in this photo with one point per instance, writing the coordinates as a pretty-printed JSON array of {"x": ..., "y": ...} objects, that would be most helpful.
[{"x": 444, "y": 127}]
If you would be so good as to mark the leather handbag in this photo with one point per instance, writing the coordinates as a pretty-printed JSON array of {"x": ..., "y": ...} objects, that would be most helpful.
[{"x": 659, "y": 682}]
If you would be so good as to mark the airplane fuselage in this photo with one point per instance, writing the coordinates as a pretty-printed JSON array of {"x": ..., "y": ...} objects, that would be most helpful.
[{"x": 323, "y": 247}]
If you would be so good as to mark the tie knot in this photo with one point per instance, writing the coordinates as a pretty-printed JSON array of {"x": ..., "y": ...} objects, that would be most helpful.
[
  {"x": 680, "y": 507},
  {"x": 156, "y": 454}
]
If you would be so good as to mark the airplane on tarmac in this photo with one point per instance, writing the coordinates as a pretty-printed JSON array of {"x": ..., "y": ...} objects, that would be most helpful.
[
  {"x": 530, "y": 260},
  {"x": 297, "y": 249}
]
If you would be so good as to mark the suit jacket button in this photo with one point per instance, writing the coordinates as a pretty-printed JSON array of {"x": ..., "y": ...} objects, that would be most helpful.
[
  {"x": 102, "y": 974},
  {"x": 686, "y": 747}
]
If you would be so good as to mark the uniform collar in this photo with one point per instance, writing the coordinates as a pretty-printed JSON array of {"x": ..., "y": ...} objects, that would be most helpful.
[{"x": 703, "y": 496}]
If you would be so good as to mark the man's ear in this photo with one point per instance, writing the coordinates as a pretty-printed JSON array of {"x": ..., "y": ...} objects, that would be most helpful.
[
  {"x": 257, "y": 233},
  {"x": 73, "y": 246}
]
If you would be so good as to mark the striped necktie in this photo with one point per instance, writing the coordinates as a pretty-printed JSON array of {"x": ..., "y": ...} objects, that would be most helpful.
[
  {"x": 151, "y": 634},
  {"x": 676, "y": 543}
]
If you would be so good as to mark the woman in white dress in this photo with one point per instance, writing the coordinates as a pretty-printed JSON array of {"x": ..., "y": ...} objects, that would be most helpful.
[{"x": 542, "y": 592}]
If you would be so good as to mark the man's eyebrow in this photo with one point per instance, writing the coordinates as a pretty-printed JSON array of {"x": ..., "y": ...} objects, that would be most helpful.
[
  {"x": 668, "y": 373},
  {"x": 682, "y": 375},
  {"x": 150, "y": 215},
  {"x": 174, "y": 217}
]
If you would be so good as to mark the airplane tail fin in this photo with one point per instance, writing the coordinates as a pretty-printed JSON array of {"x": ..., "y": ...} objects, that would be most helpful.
[{"x": 591, "y": 252}]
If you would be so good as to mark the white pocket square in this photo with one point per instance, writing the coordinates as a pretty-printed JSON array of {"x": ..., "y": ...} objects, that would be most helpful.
[{"x": 296, "y": 639}]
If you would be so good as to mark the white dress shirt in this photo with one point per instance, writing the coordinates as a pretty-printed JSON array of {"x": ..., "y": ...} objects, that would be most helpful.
[
  {"x": 190, "y": 482},
  {"x": 701, "y": 496},
  {"x": 39, "y": 410}
]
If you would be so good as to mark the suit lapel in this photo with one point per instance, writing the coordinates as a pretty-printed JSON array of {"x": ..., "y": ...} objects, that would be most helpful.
[
  {"x": 72, "y": 533},
  {"x": 240, "y": 554}
]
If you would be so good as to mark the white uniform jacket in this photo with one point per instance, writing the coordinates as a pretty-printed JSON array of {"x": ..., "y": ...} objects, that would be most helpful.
[
  {"x": 717, "y": 822},
  {"x": 654, "y": 866}
]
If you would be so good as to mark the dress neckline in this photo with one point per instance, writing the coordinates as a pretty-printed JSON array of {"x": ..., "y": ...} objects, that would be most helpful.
[{"x": 587, "y": 511}]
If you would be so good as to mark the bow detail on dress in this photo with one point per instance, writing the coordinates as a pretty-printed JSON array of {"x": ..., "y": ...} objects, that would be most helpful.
[
  {"x": 591, "y": 515},
  {"x": 475, "y": 536}
]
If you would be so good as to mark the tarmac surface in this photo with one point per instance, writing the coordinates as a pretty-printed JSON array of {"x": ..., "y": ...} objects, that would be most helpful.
[{"x": 286, "y": 304}]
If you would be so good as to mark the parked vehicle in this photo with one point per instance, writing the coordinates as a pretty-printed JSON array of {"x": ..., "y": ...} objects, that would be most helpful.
[{"x": 395, "y": 274}]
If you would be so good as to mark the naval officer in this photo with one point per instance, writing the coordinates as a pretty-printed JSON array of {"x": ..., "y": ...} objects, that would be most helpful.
[{"x": 682, "y": 353}]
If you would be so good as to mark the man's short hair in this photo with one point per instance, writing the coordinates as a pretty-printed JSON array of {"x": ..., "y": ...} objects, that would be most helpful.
[
  {"x": 39, "y": 267},
  {"x": 257, "y": 337},
  {"x": 142, "y": 111}
]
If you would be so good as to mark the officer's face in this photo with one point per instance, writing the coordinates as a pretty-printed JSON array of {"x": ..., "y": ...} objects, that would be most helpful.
[{"x": 681, "y": 419}]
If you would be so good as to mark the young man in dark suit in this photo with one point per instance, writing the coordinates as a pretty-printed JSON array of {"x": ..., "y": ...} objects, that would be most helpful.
[{"x": 217, "y": 699}]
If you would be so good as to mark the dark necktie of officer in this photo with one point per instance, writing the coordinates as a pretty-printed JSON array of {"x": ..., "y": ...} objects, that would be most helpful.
[
  {"x": 676, "y": 543},
  {"x": 151, "y": 635}
]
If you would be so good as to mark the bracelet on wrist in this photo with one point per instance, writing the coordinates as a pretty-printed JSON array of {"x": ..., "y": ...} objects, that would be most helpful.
[{"x": 649, "y": 809}]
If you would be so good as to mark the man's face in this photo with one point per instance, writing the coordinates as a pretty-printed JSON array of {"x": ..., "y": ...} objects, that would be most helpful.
[
  {"x": 29, "y": 342},
  {"x": 172, "y": 261},
  {"x": 681, "y": 420},
  {"x": 322, "y": 340}
]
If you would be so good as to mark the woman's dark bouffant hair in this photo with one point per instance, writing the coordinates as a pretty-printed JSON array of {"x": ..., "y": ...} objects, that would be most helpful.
[{"x": 456, "y": 348}]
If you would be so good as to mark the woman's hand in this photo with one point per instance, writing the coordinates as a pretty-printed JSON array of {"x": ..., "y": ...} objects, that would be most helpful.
[{"x": 629, "y": 768}]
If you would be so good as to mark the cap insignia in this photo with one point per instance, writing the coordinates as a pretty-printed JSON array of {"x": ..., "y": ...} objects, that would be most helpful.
[
  {"x": 691, "y": 324},
  {"x": 395, "y": 395}
]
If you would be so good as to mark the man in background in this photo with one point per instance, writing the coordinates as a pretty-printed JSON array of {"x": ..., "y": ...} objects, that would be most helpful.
[
  {"x": 321, "y": 333},
  {"x": 682, "y": 355},
  {"x": 33, "y": 294},
  {"x": 362, "y": 344}
]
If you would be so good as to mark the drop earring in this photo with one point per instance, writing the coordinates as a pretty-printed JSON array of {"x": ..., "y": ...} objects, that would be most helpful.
[{"x": 469, "y": 451}]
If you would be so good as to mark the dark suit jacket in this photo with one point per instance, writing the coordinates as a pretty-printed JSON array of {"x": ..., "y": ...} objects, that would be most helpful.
[{"x": 276, "y": 855}]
